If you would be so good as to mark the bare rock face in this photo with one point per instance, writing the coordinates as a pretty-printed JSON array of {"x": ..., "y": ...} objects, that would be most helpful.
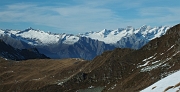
[{"x": 85, "y": 48}]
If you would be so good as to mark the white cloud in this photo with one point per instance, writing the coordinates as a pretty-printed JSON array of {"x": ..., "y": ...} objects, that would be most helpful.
[
  {"x": 160, "y": 15},
  {"x": 154, "y": 11},
  {"x": 79, "y": 17},
  {"x": 88, "y": 15}
]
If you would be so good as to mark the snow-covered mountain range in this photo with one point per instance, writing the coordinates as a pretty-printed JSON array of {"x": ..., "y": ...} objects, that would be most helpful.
[
  {"x": 113, "y": 36},
  {"x": 38, "y": 37},
  {"x": 53, "y": 43}
]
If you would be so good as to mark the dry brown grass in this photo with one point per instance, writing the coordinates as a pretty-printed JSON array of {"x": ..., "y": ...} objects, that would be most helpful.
[{"x": 34, "y": 74}]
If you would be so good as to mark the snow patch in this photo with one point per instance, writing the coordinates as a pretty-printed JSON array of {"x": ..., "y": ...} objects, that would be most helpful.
[
  {"x": 60, "y": 83},
  {"x": 161, "y": 53},
  {"x": 148, "y": 58},
  {"x": 113, "y": 86},
  {"x": 170, "y": 47},
  {"x": 176, "y": 53},
  {"x": 149, "y": 68},
  {"x": 155, "y": 62},
  {"x": 170, "y": 81},
  {"x": 143, "y": 64},
  {"x": 91, "y": 87}
]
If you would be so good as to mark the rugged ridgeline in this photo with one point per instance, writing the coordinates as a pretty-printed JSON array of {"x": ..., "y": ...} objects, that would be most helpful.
[
  {"x": 127, "y": 70},
  {"x": 85, "y": 46},
  {"x": 56, "y": 45},
  {"x": 8, "y": 52},
  {"x": 128, "y": 37}
]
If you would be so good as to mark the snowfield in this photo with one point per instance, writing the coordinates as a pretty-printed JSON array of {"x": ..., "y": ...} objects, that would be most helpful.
[{"x": 170, "y": 83}]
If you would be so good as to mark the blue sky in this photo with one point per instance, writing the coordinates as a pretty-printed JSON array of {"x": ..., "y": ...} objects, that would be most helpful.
[{"x": 79, "y": 16}]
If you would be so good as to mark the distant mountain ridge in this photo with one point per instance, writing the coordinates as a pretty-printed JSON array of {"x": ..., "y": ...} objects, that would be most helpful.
[
  {"x": 38, "y": 37},
  {"x": 112, "y": 36},
  {"x": 8, "y": 52},
  {"x": 128, "y": 37},
  {"x": 60, "y": 45}
]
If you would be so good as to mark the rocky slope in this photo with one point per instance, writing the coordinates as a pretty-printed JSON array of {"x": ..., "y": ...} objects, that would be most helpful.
[{"x": 126, "y": 70}]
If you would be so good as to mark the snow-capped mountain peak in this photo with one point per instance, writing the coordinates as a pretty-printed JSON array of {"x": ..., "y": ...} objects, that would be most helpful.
[
  {"x": 69, "y": 39},
  {"x": 39, "y": 37},
  {"x": 112, "y": 36}
]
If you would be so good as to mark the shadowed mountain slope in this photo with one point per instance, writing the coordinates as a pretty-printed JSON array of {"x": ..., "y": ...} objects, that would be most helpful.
[
  {"x": 85, "y": 48},
  {"x": 8, "y": 52},
  {"x": 125, "y": 70}
]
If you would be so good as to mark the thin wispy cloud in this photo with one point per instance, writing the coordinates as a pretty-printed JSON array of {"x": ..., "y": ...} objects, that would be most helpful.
[
  {"x": 65, "y": 18},
  {"x": 155, "y": 11},
  {"x": 91, "y": 15},
  {"x": 161, "y": 15}
]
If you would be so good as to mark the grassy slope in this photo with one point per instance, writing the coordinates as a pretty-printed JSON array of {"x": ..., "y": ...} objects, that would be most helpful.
[{"x": 34, "y": 74}]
